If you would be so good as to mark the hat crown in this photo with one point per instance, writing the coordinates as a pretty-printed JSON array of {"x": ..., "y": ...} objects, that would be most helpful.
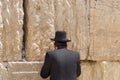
[{"x": 60, "y": 36}]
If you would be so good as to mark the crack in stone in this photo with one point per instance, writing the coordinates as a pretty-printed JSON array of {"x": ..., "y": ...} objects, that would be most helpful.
[
  {"x": 88, "y": 47},
  {"x": 24, "y": 31}
]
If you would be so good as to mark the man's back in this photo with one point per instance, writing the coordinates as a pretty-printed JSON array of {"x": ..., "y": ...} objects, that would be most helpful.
[{"x": 63, "y": 65}]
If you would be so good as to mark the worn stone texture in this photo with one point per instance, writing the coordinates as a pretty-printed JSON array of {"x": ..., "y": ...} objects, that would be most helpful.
[
  {"x": 106, "y": 70},
  {"x": 104, "y": 30},
  {"x": 40, "y": 28},
  {"x": 86, "y": 71},
  {"x": 103, "y": 70},
  {"x": 45, "y": 17},
  {"x": 92, "y": 26},
  {"x": 24, "y": 71},
  {"x": 11, "y": 23}
]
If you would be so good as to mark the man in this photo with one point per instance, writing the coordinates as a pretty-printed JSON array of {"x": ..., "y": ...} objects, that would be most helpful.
[{"x": 61, "y": 64}]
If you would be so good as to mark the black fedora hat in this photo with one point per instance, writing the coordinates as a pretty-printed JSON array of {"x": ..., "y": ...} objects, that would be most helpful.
[{"x": 60, "y": 36}]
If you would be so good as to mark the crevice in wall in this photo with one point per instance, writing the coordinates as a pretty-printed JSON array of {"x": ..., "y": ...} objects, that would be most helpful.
[
  {"x": 88, "y": 61},
  {"x": 5, "y": 63},
  {"x": 89, "y": 36},
  {"x": 24, "y": 31}
]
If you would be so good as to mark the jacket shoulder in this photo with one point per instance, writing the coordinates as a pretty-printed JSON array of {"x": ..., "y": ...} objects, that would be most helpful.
[
  {"x": 50, "y": 52},
  {"x": 74, "y": 51}
]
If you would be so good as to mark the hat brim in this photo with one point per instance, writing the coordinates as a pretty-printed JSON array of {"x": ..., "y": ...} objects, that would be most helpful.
[{"x": 67, "y": 40}]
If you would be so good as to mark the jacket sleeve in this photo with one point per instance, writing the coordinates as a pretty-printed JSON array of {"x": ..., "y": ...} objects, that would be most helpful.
[
  {"x": 78, "y": 66},
  {"x": 45, "y": 71}
]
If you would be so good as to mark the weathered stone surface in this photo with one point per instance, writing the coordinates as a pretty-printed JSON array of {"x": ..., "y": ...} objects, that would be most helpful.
[
  {"x": 45, "y": 17},
  {"x": 106, "y": 70},
  {"x": 103, "y": 70},
  {"x": 11, "y": 23},
  {"x": 40, "y": 28},
  {"x": 86, "y": 71},
  {"x": 24, "y": 70},
  {"x": 104, "y": 29}
]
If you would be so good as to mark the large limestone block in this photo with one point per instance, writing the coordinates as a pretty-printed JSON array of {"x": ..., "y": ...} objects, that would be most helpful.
[
  {"x": 47, "y": 16},
  {"x": 40, "y": 28},
  {"x": 86, "y": 71},
  {"x": 104, "y": 29},
  {"x": 72, "y": 17},
  {"x": 11, "y": 23},
  {"x": 24, "y": 70},
  {"x": 103, "y": 70},
  {"x": 106, "y": 70}
]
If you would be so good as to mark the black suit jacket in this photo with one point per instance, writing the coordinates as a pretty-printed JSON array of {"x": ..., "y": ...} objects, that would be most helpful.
[{"x": 61, "y": 64}]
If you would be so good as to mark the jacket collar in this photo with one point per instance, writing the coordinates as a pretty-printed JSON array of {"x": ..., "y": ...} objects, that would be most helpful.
[{"x": 61, "y": 47}]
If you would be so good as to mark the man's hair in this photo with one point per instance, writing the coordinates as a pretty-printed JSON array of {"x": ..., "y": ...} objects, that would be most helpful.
[{"x": 60, "y": 44}]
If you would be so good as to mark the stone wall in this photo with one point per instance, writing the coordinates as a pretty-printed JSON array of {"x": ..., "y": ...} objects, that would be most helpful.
[
  {"x": 11, "y": 33},
  {"x": 26, "y": 27}
]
